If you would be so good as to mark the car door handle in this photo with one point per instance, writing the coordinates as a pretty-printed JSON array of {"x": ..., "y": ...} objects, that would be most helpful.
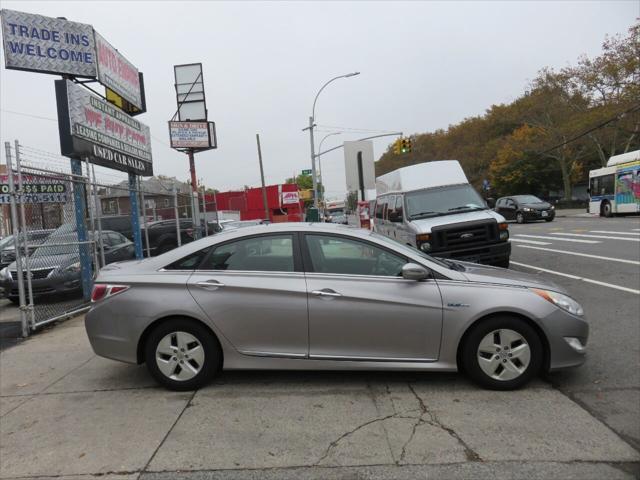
[
  {"x": 327, "y": 292},
  {"x": 210, "y": 284}
]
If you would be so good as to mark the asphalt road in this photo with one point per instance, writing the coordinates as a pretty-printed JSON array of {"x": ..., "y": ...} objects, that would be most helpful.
[{"x": 608, "y": 287}]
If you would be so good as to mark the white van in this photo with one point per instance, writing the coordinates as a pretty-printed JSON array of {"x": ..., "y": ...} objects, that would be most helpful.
[{"x": 431, "y": 206}]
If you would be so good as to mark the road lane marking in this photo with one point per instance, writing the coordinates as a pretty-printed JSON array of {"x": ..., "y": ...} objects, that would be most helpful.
[
  {"x": 534, "y": 242},
  {"x": 636, "y": 229},
  {"x": 597, "y": 236},
  {"x": 575, "y": 240},
  {"x": 614, "y": 233},
  {"x": 575, "y": 277},
  {"x": 599, "y": 257}
]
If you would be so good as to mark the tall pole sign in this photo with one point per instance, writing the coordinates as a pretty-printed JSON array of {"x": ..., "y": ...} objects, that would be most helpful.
[
  {"x": 189, "y": 130},
  {"x": 90, "y": 126}
]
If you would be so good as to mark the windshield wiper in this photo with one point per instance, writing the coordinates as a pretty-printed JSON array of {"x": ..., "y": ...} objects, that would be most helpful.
[
  {"x": 424, "y": 214},
  {"x": 453, "y": 265},
  {"x": 466, "y": 207}
]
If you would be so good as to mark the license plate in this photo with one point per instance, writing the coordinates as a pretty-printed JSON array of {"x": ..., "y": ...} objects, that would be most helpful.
[{"x": 545, "y": 214}]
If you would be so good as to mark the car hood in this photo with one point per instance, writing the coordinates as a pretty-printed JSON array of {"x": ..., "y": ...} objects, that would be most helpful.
[
  {"x": 503, "y": 276},
  {"x": 424, "y": 225},
  {"x": 49, "y": 261}
]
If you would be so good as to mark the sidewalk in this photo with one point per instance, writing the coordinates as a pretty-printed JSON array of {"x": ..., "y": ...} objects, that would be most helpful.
[{"x": 65, "y": 412}]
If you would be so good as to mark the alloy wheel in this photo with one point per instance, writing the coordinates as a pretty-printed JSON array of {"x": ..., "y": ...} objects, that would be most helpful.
[
  {"x": 180, "y": 356},
  {"x": 504, "y": 354}
]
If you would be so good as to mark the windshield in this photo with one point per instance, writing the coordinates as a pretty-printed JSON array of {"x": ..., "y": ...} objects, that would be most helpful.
[
  {"x": 443, "y": 201},
  {"x": 58, "y": 245},
  {"x": 528, "y": 199},
  {"x": 6, "y": 242}
]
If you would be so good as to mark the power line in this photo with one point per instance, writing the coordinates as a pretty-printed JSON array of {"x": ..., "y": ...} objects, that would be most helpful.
[
  {"x": 593, "y": 129},
  {"x": 30, "y": 115}
]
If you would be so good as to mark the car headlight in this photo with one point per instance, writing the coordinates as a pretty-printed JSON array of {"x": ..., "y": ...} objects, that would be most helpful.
[
  {"x": 73, "y": 268},
  {"x": 552, "y": 207},
  {"x": 526, "y": 209},
  {"x": 564, "y": 302}
]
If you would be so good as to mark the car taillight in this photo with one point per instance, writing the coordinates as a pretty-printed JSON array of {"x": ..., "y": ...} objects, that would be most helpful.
[{"x": 102, "y": 291}]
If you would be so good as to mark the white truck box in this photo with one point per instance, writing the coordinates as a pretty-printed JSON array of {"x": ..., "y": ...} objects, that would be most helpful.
[{"x": 423, "y": 175}]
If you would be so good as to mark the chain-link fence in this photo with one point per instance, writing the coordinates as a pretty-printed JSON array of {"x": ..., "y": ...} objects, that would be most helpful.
[{"x": 59, "y": 228}]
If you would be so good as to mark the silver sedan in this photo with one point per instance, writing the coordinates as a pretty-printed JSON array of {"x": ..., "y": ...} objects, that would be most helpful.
[{"x": 321, "y": 296}]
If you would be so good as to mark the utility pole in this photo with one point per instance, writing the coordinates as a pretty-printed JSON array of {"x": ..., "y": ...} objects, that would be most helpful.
[
  {"x": 313, "y": 165},
  {"x": 264, "y": 189}
]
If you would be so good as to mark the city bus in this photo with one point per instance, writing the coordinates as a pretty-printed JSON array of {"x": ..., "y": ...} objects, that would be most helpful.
[{"x": 615, "y": 189}]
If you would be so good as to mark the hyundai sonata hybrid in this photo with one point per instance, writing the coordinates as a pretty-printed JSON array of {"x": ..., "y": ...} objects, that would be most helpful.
[{"x": 329, "y": 297}]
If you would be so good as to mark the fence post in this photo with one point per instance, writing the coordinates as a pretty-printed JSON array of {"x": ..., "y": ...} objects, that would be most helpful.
[
  {"x": 25, "y": 240},
  {"x": 177, "y": 214},
  {"x": 16, "y": 233},
  {"x": 98, "y": 209},
  {"x": 135, "y": 217},
  {"x": 81, "y": 228},
  {"x": 144, "y": 217}
]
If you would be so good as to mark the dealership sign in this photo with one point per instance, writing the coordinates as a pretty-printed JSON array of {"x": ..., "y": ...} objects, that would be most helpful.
[
  {"x": 36, "y": 190},
  {"x": 93, "y": 128},
  {"x": 117, "y": 73},
  {"x": 195, "y": 135},
  {"x": 49, "y": 45}
]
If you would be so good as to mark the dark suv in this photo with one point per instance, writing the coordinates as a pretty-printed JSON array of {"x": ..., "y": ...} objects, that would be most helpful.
[
  {"x": 163, "y": 236},
  {"x": 525, "y": 208}
]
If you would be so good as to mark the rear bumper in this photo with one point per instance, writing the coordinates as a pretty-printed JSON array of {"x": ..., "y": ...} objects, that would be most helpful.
[
  {"x": 538, "y": 215},
  {"x": 490, "y": 254}
]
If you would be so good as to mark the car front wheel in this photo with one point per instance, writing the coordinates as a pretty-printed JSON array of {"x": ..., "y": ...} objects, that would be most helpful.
[
  {"x": 502, "y": 353},
  {"x": 519, "y": 217},
  {"x": 182, "y": 354}
]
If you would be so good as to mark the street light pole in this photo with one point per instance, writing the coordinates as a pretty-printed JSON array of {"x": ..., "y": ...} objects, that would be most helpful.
[
  {"x": 320, "y": 162},
  {"x": 311, "y": 126}
]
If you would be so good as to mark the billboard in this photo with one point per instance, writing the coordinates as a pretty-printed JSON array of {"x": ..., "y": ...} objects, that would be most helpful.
[
  {"x": 196, "y": 135},
  {"x": 359, "y": 167},
  {"x": 36, "y": 190},
  {"x": 93, "y": 128},
  {"x": 117, "y": 73},
  {"x": 48, "y": 45}
]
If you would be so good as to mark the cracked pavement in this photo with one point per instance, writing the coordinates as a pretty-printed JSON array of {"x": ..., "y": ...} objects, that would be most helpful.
[{"x": 65, "y": 413}]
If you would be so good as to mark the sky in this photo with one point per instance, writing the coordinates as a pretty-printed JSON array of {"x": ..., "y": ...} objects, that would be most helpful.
[{"x": 424, "y": 66}]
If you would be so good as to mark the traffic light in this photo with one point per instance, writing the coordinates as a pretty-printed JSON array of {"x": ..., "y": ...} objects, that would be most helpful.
[
  {"x": 406, "y": 145},
  {"x": 397, "y": 147}
]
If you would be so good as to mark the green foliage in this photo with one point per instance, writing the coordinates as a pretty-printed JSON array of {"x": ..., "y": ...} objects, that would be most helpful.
[{"x": 512, "y": 144}]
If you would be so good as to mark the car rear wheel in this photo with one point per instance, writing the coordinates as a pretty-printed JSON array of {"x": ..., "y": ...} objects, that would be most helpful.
[
  {"x": 519, "y": 217},
  {"x": 182, "y": 354},
  {"x": 606, "y": 210},
  {"x": 502, "y": 353},
  {"x": 548, "y": 219}
]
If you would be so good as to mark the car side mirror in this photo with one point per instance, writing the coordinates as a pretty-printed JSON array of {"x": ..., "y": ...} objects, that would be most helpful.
[{"x": 413, "y": 271}]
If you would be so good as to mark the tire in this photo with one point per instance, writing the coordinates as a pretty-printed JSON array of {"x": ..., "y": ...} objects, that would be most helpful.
[
  {"x": 512, "y": 330},
  {"x": 548, "y": 220},
  {"x": 606, "y": 210},
  {"x": 205, "y": 363},
  {"x": 520, "y": 217}
]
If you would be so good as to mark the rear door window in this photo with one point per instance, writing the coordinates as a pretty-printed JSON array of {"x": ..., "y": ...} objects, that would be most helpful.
[{"x": 271, "y": 253}]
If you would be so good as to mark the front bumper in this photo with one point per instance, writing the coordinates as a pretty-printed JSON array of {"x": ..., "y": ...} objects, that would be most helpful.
[
  {"x": 490, "y": 254},
  {"x": 58, "y": 284},
  {"x": 558, "y": 326}
]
